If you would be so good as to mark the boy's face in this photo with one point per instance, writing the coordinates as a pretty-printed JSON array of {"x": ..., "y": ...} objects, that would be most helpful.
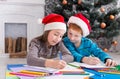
[
  {"x": 55, "y": 36},
  {"x": 74, "y": 36}
]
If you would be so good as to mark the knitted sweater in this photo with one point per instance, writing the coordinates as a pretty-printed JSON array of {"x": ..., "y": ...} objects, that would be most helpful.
[
  {"x": 39, "y": 52},
  {"x": 87, "y": 48}
]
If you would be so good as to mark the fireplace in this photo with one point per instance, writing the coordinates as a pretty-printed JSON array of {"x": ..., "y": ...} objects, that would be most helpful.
[
  {"x": 18, "y": 27},
  {"x": 16, "y": 39},
  {"x": 22, "y": 17}
]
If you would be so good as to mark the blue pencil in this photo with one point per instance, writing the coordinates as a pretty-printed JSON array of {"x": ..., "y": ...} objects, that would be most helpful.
[{"x": 60, "y": 55}]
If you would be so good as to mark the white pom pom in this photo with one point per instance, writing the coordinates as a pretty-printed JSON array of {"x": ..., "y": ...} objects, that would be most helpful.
[{"x": 39, "y": 21}]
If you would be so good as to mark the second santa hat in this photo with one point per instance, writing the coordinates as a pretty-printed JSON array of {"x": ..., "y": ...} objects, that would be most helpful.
[
  {"x": 54, "y": 21},
  {"x": 82, "y": 22}
]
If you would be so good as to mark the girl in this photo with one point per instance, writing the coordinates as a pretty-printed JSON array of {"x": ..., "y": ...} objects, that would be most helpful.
[
  {"x": 43, "y": 50},
  {"x": 82, "y": 48}
]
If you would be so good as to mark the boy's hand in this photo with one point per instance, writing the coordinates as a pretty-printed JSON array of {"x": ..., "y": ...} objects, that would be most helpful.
[
  {"x": 91, "y": 60},
  {"x": 110, "y": 63},
  {"x": 57, "y": 64}
]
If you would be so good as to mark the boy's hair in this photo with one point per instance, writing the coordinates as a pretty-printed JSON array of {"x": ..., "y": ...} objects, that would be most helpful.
[
  {"x": 82, "y": 22},
  {"x": 75, "y": 27}
]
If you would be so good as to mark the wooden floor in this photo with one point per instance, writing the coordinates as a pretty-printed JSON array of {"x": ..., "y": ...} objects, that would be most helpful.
[{"x": 6, "y": 60}]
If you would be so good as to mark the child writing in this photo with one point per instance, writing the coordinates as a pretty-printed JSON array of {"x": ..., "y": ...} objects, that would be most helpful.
[
  {"x": 43, "y": 50},
  {"x": 81, "y": 47}
]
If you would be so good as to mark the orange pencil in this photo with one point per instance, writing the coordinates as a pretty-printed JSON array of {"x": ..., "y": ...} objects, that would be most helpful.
[
  {"x": 34, "y": 72},
  {"x": 23, "y": 74}
]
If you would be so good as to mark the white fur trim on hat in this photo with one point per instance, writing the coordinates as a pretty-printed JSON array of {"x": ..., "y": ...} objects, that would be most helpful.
[
  {"x": 39, "y": 21},
  {"x": 55, "y": 25},
  {"x": 80, "y": 23}
]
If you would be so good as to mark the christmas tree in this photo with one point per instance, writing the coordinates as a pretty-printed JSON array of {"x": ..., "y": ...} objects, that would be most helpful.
[{"x": 103, "y": 16}]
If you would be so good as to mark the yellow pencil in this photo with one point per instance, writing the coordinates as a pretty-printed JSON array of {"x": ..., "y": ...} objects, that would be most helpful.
[
  {"x": 34, "y": 72},
  {"x": 109, "y": 72}
]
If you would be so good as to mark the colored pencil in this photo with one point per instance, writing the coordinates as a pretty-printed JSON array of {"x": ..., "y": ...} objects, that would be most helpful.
[
  {"x": 60, "y": 55},
  {"x": 73, "y": 65},
  {"x": 22, "y": 74},
  {"x": 34, "y": 72}
]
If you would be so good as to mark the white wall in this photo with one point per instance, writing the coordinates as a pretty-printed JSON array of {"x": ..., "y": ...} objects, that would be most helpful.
[
  {"x": 24, "y": 1},
  {"x": 21, "y": 11}
]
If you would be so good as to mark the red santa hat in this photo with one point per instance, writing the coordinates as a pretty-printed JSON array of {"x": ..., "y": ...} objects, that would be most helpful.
[
  {"x": 82, "y": 22},
  {"x": 54, "y": 21}
]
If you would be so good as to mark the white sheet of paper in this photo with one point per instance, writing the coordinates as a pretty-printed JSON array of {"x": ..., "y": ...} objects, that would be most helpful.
[
  {"x": 46, "y": 69},
  {"x": 66, "y": 76},
  {"x": 100, "y": 65}
]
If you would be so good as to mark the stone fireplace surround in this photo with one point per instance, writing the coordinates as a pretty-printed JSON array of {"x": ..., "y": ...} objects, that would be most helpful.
[{"x": 21, "y": 11}]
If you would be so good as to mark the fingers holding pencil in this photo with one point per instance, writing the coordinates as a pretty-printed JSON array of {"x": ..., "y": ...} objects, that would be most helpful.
[
  {"x": 57, "y": 64},
  {"x": 62, "y": 64}
]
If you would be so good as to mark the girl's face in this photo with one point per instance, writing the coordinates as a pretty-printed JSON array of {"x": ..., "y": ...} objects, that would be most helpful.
[
  {"x": 74, "y": 36},
  {"x": 55, "y": 36}
]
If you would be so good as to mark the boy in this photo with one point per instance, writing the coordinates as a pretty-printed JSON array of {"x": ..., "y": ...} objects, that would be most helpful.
[{"x": 80, "y": 46}]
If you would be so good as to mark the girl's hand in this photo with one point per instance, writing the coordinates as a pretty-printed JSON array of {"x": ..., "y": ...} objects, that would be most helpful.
[
  {"x": 91, "y": 60},
  {"x": 57, "y": 64},
  {"x": 110, "y": 63}
]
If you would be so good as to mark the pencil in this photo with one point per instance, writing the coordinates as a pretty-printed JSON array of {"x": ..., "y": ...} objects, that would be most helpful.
[
  {"x": 109, "y": 72},
  {"x": 22, "y": 74},
  {"x": 60, "y": 55},
  {"x": 73, "y": 65},
  {"x": 34, "y": 72},
  {"x": 76, "y": 74}
]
